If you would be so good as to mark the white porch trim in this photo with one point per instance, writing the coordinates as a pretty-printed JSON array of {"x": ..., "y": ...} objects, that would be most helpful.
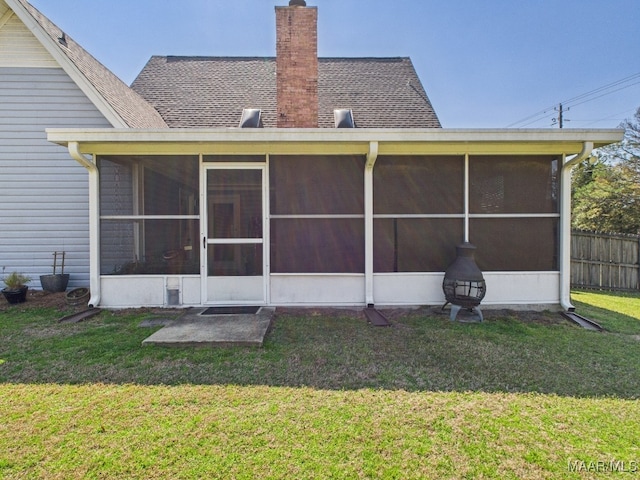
[
  {"x": 230, "y": 141},
  {"x": 370, "y": 143}
]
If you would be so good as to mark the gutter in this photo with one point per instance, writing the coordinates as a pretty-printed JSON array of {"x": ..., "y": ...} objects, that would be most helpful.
[
  {"x": 565, "y": 225},
  {"x": 94, "y": 221}
]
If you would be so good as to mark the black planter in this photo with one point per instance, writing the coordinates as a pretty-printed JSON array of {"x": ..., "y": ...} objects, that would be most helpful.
[
  {"x": 54, "y": 283},
  {"x": 16, "y": 296}
]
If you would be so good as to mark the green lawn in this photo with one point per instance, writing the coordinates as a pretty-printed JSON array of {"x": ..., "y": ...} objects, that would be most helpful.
[{"x": 520, "y": 396}]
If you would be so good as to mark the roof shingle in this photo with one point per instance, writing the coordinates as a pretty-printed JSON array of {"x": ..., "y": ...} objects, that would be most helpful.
[
  {"x": 210, "y": 92},
  {"x": 127, "y": 104}
]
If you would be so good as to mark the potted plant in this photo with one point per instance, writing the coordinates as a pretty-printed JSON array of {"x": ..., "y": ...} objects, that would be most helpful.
[
  {"x": 57, "y": 282},
  {"x": 16, "y": 288}
]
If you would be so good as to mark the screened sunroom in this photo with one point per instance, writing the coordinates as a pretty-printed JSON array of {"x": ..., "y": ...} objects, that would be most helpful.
[{"x": 311, "y": 218}]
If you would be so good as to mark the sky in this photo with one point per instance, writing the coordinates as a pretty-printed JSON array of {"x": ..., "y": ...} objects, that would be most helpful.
[{"x": 484, "y": 64}]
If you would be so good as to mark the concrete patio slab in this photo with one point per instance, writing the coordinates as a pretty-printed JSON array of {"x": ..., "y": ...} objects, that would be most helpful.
[{"x": 194, "y": 329}]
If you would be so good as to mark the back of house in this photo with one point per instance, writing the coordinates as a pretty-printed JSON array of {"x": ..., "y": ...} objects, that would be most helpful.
[{"x": 286, "y": 180}]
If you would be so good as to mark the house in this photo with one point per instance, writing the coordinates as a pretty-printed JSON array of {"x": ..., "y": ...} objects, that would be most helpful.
[
  {"x": 295, "y": 180},
  {"x": 47, "y": 80}
]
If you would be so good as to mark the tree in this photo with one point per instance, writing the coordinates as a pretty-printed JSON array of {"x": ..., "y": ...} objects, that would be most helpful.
[{"x": 606, "y": 195}]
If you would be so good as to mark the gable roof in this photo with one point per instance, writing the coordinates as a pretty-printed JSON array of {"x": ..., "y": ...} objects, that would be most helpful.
[
  {"x": 210, "y": 92},
  {"x": 122, "y": 106}
]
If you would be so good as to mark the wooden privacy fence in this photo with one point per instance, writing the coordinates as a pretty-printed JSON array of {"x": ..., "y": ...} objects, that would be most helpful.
[{"x": 605, "y": 260}]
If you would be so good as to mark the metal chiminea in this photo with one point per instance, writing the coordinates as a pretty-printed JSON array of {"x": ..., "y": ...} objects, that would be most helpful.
[{"x": 463, "y": 284}]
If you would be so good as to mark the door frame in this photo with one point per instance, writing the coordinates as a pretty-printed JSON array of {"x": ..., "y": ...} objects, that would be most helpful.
[{"x": 205, "y": 242}]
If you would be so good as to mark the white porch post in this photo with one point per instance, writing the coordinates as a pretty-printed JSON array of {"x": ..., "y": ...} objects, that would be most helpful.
[
  {"x": 94, "y": 220},
  {"x": 372, "y": 156},
  {"x": 466, "y": 197}
]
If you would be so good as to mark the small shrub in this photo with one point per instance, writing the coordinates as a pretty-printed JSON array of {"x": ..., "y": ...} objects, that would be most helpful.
[{"x": 15, "y": 281}]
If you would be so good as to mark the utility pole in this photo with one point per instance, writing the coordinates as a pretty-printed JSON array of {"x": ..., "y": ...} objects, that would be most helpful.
[{"x": 560, "y": 119}]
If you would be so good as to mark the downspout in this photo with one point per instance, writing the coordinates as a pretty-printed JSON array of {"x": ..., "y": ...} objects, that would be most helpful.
[
  {"x": 565, "y": 226},
  {"x": 372, "y": 156},
  {"x": 94, "y": 221}
]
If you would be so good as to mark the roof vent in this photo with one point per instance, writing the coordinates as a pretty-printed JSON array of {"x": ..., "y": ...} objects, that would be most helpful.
[
  {"x": 344, "y": 118},
  {"x": 251, "y": 118},
  {"x": 62, "y": 39}
]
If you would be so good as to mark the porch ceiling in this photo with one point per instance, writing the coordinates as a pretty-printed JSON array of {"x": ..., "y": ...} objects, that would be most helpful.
[{"x": 323, "y": 141}]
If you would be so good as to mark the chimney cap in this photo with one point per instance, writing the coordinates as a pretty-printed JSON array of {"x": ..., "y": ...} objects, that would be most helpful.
[{"x": 297, "y": 3}]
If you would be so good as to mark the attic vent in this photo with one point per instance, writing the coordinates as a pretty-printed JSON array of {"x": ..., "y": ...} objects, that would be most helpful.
[
  {"x": 251, "y": 118},
  {"x": 62, "y": 39},
  {"x": 344, "y": 118}
]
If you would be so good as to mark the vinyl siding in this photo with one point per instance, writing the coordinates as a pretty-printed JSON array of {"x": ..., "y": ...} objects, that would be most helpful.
[
  {"x": 43, "y": 192},
  {"x": 20, "y": 48}
]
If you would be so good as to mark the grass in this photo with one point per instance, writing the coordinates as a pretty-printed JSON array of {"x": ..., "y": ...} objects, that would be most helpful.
[
  {"x": 618, "y": 312},
  {"x": 515, "y": 397}
]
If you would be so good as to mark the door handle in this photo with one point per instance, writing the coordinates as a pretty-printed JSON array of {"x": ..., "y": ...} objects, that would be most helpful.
[{"x": 204, "y": 242}]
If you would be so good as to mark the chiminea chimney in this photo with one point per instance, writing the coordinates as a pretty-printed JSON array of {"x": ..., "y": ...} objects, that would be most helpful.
[{"x": 297, "y": 65}]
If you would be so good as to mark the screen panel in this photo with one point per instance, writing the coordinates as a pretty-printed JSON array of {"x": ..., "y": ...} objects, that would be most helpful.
[
  {"x": 419, "y": 185},
  {"x": 317, "y": 245},
  {"x": 316, "y": 185},
  {"x": 516, "y": 244},
  {"x": 416, "y": 245},
  {"x": 513, "y": 184}
]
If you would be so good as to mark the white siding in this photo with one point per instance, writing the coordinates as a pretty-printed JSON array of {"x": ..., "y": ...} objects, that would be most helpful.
[
  {"x": 43, "y": 192},
  {"x": 20, "y": 48}
]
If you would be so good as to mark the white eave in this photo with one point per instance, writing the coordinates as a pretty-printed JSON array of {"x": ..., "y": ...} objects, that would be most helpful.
[{"x": 236, "y": 141}]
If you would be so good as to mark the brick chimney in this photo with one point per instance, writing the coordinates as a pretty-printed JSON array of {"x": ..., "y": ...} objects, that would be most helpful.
[{"x": 297, "y": 65}]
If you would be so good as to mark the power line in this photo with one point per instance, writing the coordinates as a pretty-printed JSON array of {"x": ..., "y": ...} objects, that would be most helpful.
[
  {"x": 605, "y": 94},
  {"x": 582, "y": 98},
  {"x": 620, "y": 116},
  {"x": 607, "y": 87}
]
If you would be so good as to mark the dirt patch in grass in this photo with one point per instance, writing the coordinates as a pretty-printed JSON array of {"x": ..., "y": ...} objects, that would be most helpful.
[
  {"x": 57, "y": 301},
  {"x": 320, "y": 312},
  {"x": 40, "y": 299}
]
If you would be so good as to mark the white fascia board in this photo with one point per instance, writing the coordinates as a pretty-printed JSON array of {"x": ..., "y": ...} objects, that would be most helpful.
[
  {"x": 67, "y": 65},
  {"x": 329, "y": 141}
]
